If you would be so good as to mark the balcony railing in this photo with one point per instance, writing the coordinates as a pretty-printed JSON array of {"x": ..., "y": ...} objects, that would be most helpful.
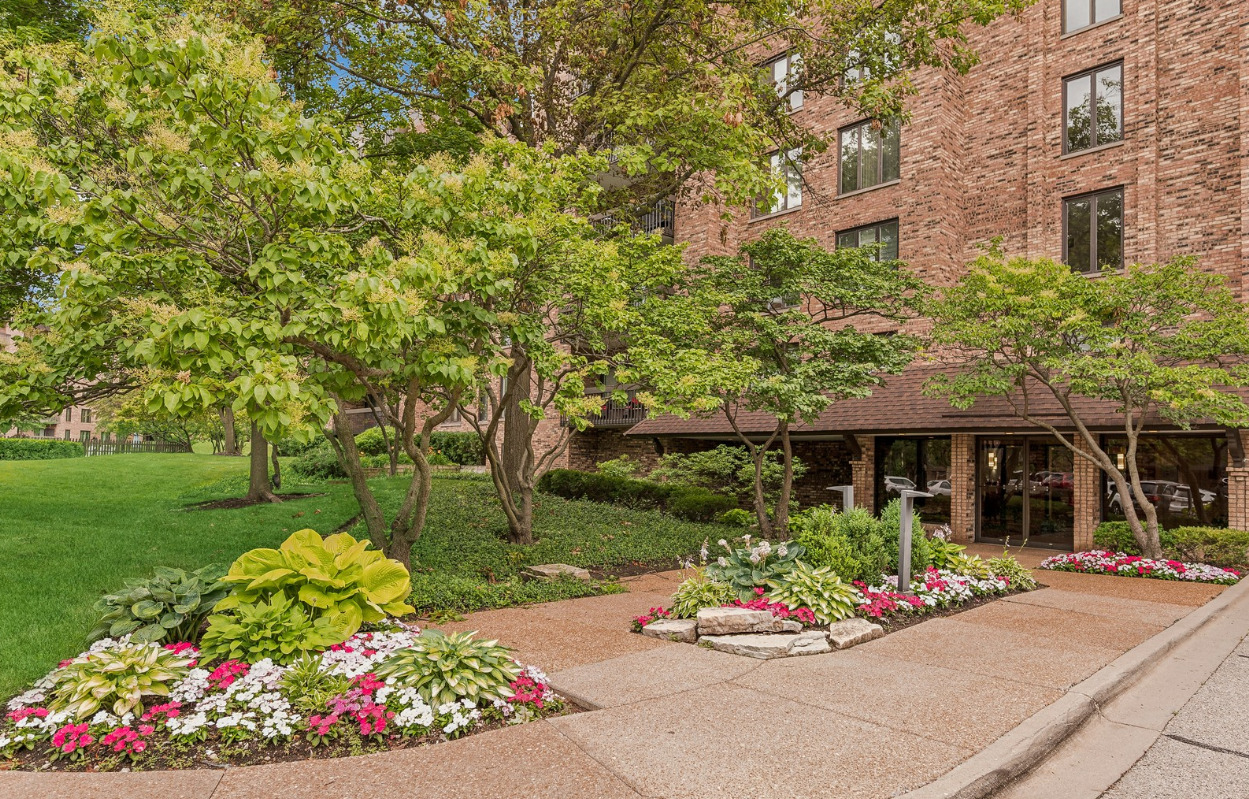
[
  {"x": 619, "y": 414},
  {"x": 659, "y": 218}
]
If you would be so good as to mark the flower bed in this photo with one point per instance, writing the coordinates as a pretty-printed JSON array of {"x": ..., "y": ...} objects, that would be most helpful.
[
  {"x": 1119, "y": 564},
  {"x": 329, "y": 704}
]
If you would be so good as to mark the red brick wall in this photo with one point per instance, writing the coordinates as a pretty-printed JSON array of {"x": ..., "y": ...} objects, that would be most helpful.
[{"x": 963, "y": 487}]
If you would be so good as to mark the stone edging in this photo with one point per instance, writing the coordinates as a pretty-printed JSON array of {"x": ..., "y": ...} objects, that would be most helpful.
[{"x": 1026, "y": 745}]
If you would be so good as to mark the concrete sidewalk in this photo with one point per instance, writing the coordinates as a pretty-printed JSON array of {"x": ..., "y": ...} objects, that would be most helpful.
[{"x": 681, "y": 721}]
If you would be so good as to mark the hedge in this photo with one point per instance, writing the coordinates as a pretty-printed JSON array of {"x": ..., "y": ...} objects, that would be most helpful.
[
  {"x": 35, "y": 449},
  {"x": 1227, "y": 549},
  {"x": 685, "y": 502},
  {"x": 465, "y": 449}
]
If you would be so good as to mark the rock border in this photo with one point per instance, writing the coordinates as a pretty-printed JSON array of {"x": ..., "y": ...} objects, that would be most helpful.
[{"x": 1022, "y": 748}]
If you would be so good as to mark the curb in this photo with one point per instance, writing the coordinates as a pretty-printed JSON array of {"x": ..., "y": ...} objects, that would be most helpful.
[{"x": 1022, "y": 748}]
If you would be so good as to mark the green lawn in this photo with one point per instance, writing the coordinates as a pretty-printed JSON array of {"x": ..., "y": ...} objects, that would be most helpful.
[{"x": 73, "y": 529}]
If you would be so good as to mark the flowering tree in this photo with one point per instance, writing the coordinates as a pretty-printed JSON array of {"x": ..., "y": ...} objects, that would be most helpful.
[
  {"x": 772, "y": 330},
  {"x": 1161, "y": 342}
]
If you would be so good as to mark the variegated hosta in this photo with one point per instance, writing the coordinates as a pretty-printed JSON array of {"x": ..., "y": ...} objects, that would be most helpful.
[
  {"x": 339, "y": 577},
  {"x": 821, "y": 590},
  {"x": 117, "y": 679},
  {"x": 448, "y": 668}
]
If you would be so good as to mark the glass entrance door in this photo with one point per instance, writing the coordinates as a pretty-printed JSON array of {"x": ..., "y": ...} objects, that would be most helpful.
[{"x": 1025, "y": 491}]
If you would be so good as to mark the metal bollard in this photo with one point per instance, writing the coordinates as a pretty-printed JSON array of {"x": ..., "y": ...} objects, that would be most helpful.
[{"x": 904, "y": 538}]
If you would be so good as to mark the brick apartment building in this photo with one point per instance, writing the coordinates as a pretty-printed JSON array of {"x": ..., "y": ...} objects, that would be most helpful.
[
  {"x": 76, "y": 423},
  {"x": 1100, "y": 132}
]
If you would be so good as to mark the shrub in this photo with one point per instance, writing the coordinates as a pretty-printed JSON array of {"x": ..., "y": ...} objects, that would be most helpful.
[
  {"x": 280, "y": 629},
  {"x": 725, "y": 469},
  {"x": 338, "y": 577},
  {"x": 624, "y": 466},
  {"x": 1227, "y": 549},
  {"x": 1117, "y": 537},
  {"x": 116, "y": 679},
  {"x": 371, "y": 442},
  {"x": 447, "y": 668},
  {"x": 293, "y": 448},
  {"x": 1014, "y": 572},
  {"x": 169, "y": 606},
  {"x": 318, "y": 463},
  {"x": 465, "y": 449},
  {"x": 697, "y": 504},
  {"x": 819, "y": 589},
  {"x": 699, "y": 592},
  {"x": 737, "y": 517},
  {"x": 852, "y": 543},
  {"x": 596, "y": 487},
  {"x": 30, "y": 449},
  {"x": 746, "y": 568},
  {"x": 891, "y": 521}
]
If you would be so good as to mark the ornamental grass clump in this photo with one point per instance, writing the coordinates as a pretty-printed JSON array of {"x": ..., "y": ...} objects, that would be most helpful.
[
  {"x": 699, "y": 592},
  {"x": 448, "y": 668},
  {"x": 337, "y": 578},
  {"x": 819, "y": 589},
  {"x": 117, "y": 679},
  {"x": 749, "y": 567},
  {"x": 169, "y": 606}
]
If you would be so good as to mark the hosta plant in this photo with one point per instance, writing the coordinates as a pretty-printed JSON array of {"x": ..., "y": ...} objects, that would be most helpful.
[
  {"x": 310, "y": 685},
  {"x": 820, "y": 589},
  {"x": 336, "y": 577},
  {"x": 169, "y": 606},
  {"x": 448, "y": 668},
  {"x": 1014, "y": 571},
  {"x": 280, "y": 629},
  {"x": 700, "y": 592},
  {"x": 944, "y": 551},
  {"x": 970, "y": 566},
  {"x": 749, "y": 567},
  {"x": 118, "y": 679}
]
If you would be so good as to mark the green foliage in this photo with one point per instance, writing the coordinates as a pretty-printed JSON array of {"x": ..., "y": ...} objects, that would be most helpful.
[
  {"x": 891, "y": 525},
  {"x": 852, "y": 543},
  {"x": 118, "y": 680},
  {"x": 737, "y": 517},
  {"x": 725, "y": 469},
  {"x": 969, "y": 565},
  {"x": 621, "y": 467},
  {"x": 458, "y": 593},
  {"x": 1225, "y": 548},
  {"x": 278, "y": 628},
  {"x": 168, "y": 607},
  {"x": 817, "y": 588},
  {"x": 309, "y": 687},
  {"x": 29, "y": 449},
  {"x": 464, "y": 449},
  {"x": 371, "y": 441},
  {"x": 697, "y": 504},
  {"x": 318, "y": 463},
  {"x": 943, "y": 550},
  {"x": 1164, "y": 340},
  {"x": 748, "y": 567},
  {"x": 448, "y": 668},
  {"x": 1018, "y": 576},
  {"x": 339, "y": 578},
  {"x": 698, "y": 592}
]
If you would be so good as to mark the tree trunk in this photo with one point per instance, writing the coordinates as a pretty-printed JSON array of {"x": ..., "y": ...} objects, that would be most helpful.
[
  {"x": 344, "y": 444},
  {"x": 757, "y": 455},
  {"x": 277, "y": 470},
  {"x": 517, "y": 436},
  {"x": 231, "y": 446},
  {"x": 781, "y": 518},
  {"x": 258, "y": 489}
]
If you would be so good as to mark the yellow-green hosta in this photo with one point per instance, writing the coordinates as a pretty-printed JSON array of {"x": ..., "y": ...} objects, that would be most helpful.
[
  {"x": 118, "y": 679},
  {"x": 336, "y": 577},
  {"x": 448, "y": 668}
]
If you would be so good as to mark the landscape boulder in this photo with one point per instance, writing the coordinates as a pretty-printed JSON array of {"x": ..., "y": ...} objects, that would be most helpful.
[
  {"x": 549, "y": 572},
  {"x": 767, "y": 646},
  {"x": 683, "y": 630},
  {"x": 737, "y": 621},
  {"x": 852, "y": 632}
]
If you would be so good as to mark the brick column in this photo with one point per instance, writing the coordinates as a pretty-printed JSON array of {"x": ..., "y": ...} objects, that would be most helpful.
[
  {"x": 863, "y": 474},
  {"x": 963, "y": 487},
  {"x": 1238, "y": 493},
  {"x": 1086, "y": 499}
]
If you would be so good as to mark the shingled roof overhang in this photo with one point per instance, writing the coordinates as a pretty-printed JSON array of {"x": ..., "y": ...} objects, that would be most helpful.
[{"x": 900, "y": 407}]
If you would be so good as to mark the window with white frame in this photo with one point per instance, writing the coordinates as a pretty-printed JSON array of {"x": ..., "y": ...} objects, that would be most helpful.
[
  {"x": 783, "y": 73},
  {"x": 787, "y": 166}
]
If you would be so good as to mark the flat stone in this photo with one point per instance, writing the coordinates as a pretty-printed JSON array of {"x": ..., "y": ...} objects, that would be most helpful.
[
  {"x": 683, "y": 630},
  {"x": 553, "y": 571},
  {"x": 735, "y": 621},
  {"x": 788, "y": 626},
  {"x": 852, "y": 632},
  {"x": 765, "y": 646}
]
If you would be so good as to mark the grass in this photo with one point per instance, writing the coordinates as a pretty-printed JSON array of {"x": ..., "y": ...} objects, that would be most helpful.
[{"x": 73, "y": 529}]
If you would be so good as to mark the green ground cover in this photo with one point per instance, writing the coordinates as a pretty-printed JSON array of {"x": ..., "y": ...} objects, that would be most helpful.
[{"x": 71, "y": 530}]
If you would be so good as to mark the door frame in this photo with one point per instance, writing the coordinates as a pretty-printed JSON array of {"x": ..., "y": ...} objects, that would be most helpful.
[{"x": 1025, "y": 441}]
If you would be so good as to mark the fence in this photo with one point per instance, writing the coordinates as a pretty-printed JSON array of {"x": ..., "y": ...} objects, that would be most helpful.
[{"x": 121, "y": 447}]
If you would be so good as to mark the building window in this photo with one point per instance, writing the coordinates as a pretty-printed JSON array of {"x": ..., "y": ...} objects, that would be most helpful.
[
  {"x": 885, "y": 234},
  {"x": 782, "y": 72},
  {"x": 454, "y": 418},
  {"x": 1184, "y": 477},
  {"x": 916, "y": 464},
  {"x": 84, "y": 436},
  {"x": 1093, "y": 231},
  {"x": 788, "y": 167},
  {"x": 69, "y": 414},
  {"x": 1093, "y": 108},
  {"x": 67, "y": 438},
  {"x": 1079, "y": 14},
  {"x": 869, "y": 155},
  {"x": 85, "y": 415}
]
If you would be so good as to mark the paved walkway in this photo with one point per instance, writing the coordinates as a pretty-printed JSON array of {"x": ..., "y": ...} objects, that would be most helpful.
[{"x": 681, "y": 721}]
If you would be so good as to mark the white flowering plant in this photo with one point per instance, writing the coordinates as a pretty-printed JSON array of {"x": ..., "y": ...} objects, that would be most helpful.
[{"x": 220, "y": 705}]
